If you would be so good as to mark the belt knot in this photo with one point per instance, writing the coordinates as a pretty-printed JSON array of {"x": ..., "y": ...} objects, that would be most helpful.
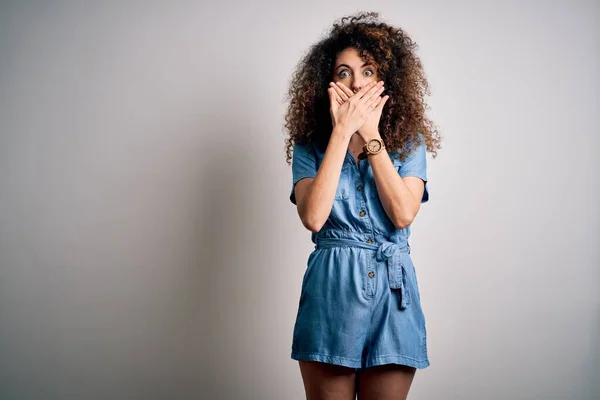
[{"x": 394, "y": 254}]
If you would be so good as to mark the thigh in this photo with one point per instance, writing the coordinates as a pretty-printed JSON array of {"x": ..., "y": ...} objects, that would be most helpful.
[
  {"x": 385, "y": 382},
  {"x": 324, "y": 381}
]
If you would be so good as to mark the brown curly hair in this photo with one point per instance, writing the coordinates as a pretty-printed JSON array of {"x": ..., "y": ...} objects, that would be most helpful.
[{"x": 393, "y": 52}]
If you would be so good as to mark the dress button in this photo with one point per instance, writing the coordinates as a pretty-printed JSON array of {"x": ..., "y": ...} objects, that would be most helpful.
[
  {"x": 359, "y": 188},
  {"x": 369, "y": 240},
  {"x": 371, "y": 274},
  {"x": 362, "y": 213}
]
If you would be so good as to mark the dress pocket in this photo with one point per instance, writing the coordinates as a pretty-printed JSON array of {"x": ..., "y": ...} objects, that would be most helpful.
[{"x": 343, "y": 189}]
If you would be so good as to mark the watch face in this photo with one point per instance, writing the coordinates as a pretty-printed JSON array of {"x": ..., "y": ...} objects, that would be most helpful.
[{"x": 374, "y": 146}]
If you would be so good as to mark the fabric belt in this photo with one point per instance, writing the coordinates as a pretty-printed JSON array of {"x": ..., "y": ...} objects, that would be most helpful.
[{"x": 387, "y": 251}]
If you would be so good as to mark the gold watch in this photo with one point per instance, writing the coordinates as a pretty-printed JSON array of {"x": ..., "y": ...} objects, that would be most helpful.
[{"x": 373, "y": 146}]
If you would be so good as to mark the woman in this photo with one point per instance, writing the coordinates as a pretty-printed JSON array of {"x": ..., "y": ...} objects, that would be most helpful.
[{"x": 359, "y": 135}]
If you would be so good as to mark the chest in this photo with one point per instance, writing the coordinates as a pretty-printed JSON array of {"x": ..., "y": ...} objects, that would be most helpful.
[{"x": 355, "y": 150}]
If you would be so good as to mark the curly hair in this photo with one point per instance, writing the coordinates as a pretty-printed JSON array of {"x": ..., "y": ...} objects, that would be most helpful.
[{"x": 393, "y": 52}]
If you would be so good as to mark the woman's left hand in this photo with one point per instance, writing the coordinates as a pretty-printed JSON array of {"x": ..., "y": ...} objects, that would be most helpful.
[{"x": 370, "y": 129}]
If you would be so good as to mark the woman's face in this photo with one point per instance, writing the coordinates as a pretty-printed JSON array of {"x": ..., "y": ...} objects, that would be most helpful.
[{"x": 352, "y": 70}]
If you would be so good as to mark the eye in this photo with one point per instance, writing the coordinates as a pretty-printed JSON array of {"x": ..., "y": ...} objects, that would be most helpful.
[
  {"x": 340, "y": 74},
  {"x": 371, "y": 72}
]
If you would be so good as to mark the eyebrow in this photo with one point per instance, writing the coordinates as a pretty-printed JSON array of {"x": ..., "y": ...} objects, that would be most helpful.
[{"x": 347, "y": 66}]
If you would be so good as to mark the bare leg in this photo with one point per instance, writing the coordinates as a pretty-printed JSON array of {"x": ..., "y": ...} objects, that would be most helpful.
[
  {"x": 385, "y": 382},
  {"x": 324, "y": 381}
]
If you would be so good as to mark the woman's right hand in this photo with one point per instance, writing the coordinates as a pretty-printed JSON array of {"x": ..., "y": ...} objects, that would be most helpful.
[{"x": 349, "y": 115}]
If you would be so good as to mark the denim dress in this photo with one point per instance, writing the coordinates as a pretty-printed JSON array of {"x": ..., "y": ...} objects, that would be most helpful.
[{"x": 359, "y": 302}]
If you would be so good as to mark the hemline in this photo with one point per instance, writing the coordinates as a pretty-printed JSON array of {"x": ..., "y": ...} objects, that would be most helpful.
[{"x": 357, "y": 364}]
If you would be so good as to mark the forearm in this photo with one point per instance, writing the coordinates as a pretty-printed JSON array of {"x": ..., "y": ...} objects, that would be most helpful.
[
  {"x": 397, "y": 199},
  {"x": 321, "y": 193}
]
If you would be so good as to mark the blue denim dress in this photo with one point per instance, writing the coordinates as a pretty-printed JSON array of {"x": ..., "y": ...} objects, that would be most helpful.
[{"x": 359, "y": 303}]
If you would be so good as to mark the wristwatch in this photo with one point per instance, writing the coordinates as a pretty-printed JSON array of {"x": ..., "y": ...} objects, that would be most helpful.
[{"x": 373, "y": 146}]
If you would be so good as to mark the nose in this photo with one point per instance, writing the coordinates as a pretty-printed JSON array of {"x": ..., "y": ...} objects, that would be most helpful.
[{"x": 357, "y": 84}]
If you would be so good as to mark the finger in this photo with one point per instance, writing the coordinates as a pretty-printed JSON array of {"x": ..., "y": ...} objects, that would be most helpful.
[
  {"x": 364, "y": 90},
  {"x": 346, "y": 89},
  {"x": 380, "y": 104},
  {"x": 342, "y": 95},
  {"x": 371, "y": 91},
  {"x": 371, "y": 106},
  {"x": 383, "y": 101},
  {"x": 374, "y": 100},
  {"x": 375, "y": 97},
  {"x": 332, "y": 99},
  {"x": 337, "y": 96}
]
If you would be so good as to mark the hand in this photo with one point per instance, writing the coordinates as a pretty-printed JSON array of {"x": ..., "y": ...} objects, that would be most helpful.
[
  {"x": 370, "y": 128},
  {"x": 354, "y": 111}
]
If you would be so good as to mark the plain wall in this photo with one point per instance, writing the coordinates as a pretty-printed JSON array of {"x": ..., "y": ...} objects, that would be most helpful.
[{"x": 148, "y": 248}]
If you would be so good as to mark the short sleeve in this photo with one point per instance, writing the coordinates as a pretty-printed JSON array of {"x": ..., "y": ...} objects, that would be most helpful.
[
  {"x": 416, "y": 165},
  {"x": 304, "y": 165}
]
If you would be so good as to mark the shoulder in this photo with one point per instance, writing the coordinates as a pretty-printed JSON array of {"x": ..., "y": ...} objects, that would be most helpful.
[{"x": 414, "y": 147}]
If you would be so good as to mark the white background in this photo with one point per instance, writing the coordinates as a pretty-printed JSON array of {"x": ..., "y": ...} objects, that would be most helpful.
[{"x": 148, "y": 248}]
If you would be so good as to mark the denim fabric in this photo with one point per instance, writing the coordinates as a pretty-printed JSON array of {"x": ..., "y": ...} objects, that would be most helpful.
[{"x": 359, "y": 303}]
